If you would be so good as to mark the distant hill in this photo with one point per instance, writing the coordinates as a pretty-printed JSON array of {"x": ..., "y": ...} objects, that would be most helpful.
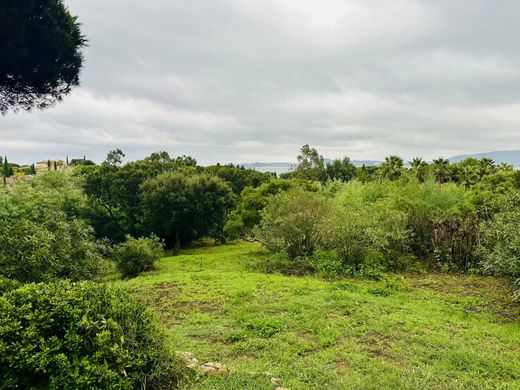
[{"x": 503, "y": 156}]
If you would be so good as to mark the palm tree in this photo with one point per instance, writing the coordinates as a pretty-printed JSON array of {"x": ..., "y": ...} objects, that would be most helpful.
[
  {"x": 486, "y": 166},
  {"x": 392, "y": 167},
  {"x": 441, "y": 168},
  {"x": 419, "y": 168},
  {"x": 505, "y": 167},
  {"x": 468, "y": 175}
]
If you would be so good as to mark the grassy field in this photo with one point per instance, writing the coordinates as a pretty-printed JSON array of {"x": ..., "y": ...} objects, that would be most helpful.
[{"x": 432, "y": 331}]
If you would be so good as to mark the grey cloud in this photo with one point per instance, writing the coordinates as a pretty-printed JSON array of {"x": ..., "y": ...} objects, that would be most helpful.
[{"x": 248, "y": 80}]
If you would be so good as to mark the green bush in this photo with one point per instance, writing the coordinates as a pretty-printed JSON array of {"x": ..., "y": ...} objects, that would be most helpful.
[
  {"x": 293, "y": 223},
  {"x": 137, "y": 255},
  {"x": 500, "y": 244},
  {"x": 81, "y": 336},
  {"x": 47, "y": 248}
]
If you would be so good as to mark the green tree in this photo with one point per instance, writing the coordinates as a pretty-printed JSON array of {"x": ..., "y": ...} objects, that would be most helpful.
[
  {"x": 342, "y": 170},
  {"x": 468, "y": 176},
  {"x": 419, "y": 169},
  {"x": 180, "y": 208},
  {"x": 505, "y": 167},
  {"x": 40, "y": 53},
  {"x": 392, "y": 167},
  {"x": 248, "y": 211},
  {"x": 441, "y": 170},
  {"x": 486, "y": 166},
  {"x": 310, "y": 164}
]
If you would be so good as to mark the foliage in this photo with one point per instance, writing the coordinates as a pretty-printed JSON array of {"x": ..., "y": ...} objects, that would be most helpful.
[
  {"x": 247, "y": 213},
  {"x": 181, "y": 208},
  {"x": 500, "y": 244},
  {"x": 137, "y": 255},
  {"x": 310, "y": 164},
  {"x": 392, "y": 167},
  {"x": 40, "y": 54},
  {"x": 238, "y": 177},
  {"x": 48, "y": 248},
  {"x": 292, "y": 223},
  {"x": 342, "y": 170},
  {"x": 85, "y": 335}
]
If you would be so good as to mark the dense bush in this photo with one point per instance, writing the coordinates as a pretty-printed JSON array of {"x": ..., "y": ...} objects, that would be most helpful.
[
  {"x": 500, "y": 245},
  {"x": 47, "y": 248},
  {"x": 248, "y": 211},
  {"x": 137, "y": 255},
  {"x": 81, "y": 336},
  {"x": 293, "y": 223}
]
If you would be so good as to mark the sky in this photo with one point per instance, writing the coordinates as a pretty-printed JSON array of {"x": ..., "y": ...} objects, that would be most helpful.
[{"x": 253, "y": 80}]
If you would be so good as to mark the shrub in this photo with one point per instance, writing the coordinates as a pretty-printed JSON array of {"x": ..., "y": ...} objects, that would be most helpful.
[
  {"x": 351, "y": 231},
  {"x": 500, "y": 244},
  {"x": 293, "y": 223},
  {"x": 455, "y": 242},
  {"x": 47, "y": 248},
  {"x": 84, "y": 335},
  {"x": 137, "y": 255}
]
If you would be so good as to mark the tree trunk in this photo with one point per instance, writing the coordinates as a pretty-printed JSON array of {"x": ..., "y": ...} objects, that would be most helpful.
[{"x": 176, "y": 244}]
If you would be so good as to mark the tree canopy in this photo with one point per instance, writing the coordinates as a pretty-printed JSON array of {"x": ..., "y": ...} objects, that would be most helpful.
[{"x": 40, "y": 53}]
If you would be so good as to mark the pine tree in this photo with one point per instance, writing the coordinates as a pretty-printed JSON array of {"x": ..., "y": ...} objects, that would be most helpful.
[
  {"x": 67, "y": 159},
  {"x": 55, "y": 166}
]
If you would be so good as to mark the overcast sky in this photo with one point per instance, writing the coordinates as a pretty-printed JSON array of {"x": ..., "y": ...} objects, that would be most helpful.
[{"x": 253, "y": 80}]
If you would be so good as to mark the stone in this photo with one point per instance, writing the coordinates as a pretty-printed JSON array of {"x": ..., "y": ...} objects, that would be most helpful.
[
  {"x": 207, "y": 369},
  {"x": 275, "y": 381}
]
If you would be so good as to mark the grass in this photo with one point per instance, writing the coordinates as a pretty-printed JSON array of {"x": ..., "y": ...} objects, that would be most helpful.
[{"x": 433, "y": 331}]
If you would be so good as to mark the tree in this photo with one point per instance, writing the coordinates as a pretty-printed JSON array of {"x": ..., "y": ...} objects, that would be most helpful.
[
  {"x": 441, "y": 168},
  {"x": 486, "y": 166},
  {"x": 505, "y": 167},
  {"x": 419, "y": 169},
  {"x": 114, "y": 157},
  {"x": 342, "y": 170},
  {"x": 310, "y": 164},
  {"x": 181, "y": 208},
  {"x": 238, "y": 177},
  {"x": 468, "y": 176},
  {"x": 248, "y": 211},
  {"x": 48, "y": 165},
  {"x": 40, "y": 53},
  {"x": 392, "y": 167}
]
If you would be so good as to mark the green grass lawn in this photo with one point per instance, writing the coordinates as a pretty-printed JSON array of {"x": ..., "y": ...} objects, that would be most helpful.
[{"x": 432, "y": 331}]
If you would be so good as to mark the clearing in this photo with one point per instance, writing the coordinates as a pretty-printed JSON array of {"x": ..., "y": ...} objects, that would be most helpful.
[{"x": 433, "y": 331}]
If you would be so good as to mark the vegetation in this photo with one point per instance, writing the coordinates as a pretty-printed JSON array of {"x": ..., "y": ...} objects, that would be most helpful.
[
  {"x": 85, "y": 335},
  {"x": 137, "y": 255},
  {"x": 40, "y": 54},
  {"x": 360, "y": 241},
  {"x": 405, "y": 331}
]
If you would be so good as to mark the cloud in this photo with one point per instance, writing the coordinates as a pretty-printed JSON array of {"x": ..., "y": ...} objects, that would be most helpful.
[{"x": 249, "y": 80}]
